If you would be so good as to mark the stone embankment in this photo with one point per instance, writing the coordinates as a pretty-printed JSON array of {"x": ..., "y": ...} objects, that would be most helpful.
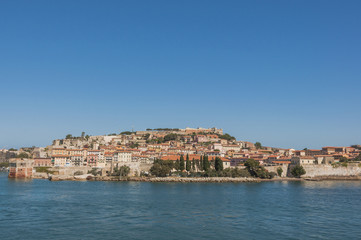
[
  {"x": 333, "y": 178},
  {"x": 198, "y": 179},
  {"x": 64, "y": 177},
  {"x": 167, "y": 179},
  {"x": 149, "y": 179},
  {"x": 329, "y": 171}
]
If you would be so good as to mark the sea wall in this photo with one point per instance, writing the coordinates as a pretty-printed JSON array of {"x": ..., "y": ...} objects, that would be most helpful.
[
  {"x": 69, "y": 171},
  {"x": 328, "y": 170},
  {"x": 321, "y": 170}
]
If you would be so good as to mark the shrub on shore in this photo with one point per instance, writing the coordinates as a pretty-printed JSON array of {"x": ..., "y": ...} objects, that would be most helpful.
[
  {"x": 4, "y": 164},
  {"x": 161, "y": 168},
  {"x": 43, "y": 170},
  {"x": 256, "y": 170},
  {"x": 298, "y": 171},
  {"x": 122, "y": 171}
]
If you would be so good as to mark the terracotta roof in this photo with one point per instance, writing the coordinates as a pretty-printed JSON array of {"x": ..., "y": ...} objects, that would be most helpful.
[
  {"x": 284, "y": 162},
  {"x": 191, "y": 157}
]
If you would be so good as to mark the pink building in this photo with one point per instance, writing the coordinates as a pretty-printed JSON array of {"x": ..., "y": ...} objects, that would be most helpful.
[
  {"x": 92, "y": 160},
  {"x": 42, "y": 162}
]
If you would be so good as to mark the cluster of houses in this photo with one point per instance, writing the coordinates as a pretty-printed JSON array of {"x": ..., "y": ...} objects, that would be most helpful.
[{"x": 144, "y": 147}]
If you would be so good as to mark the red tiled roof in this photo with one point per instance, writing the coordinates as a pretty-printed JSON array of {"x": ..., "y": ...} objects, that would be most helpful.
[{"x": 284, "y": 162}]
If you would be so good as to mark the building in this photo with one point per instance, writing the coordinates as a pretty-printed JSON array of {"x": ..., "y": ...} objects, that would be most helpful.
[
  {"x": 78, "y": 160},
  {"x": 59, "y": 160},
  {"x": 324, "y": 159},
  {"x": 5, "y": 155},
  {"x": 92, "y": 160},
  {"x": 314, "y": 152},
  {"x": 303, "y": 160},
  {"x": 42, "y": 162},
  {"x": 123, "y": 156},
  {"x": 59, "y": 151},
  {"x": 21, "y": 168}
]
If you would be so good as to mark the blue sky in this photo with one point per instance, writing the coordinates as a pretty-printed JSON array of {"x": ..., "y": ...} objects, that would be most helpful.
[{"x": 285, "y": 73}]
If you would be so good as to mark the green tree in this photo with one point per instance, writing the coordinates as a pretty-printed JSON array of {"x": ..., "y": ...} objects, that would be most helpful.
[
  {"x": 258, "y": 145},
  {"x": 218, "y": 165},
  {"x": 252, "y": 166},
  {"x": 177, "y": 165},
  {"x": 181, "y": 163},
  {"x": 4, "y": 164},
  {"x": 188, "y": 164},
  {"x": 343, "y": 159},
  {"x": 170, "y": 137},
  {"x": 134, "y": 145},
  {"x": 279, "y": 171},
  {"x": 161, "y": 168},
  {"x": 193, "y": 164},
  {"x": 255, "y": 169},
  {"x": 298, "y": 171},
  {"x": 357, "y": 146},
  {"x": 358, "y": 158},
  {"x": 227, "y": 137},
  {"x": 126, "y": 133},
  {"x": 23, "y": 155},
  {"x": 124, "y": 171},
  {"x": 206, "y": 164},
  {"x": 69, "y": 136},
  {"x": 200, "y": 163}
]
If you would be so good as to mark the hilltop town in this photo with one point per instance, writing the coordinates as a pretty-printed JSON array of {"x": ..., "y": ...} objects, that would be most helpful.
[{"x": 140, "y": 150}]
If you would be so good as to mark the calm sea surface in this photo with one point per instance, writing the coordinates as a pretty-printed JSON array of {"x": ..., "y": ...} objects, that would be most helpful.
[{"x": 40, "y": 209}]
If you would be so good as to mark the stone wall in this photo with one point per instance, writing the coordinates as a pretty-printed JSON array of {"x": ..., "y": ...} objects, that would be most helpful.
[
  {"x": 274, "y": 169},
  {"x": 328, "y": 170},
  {"x": 135, "y": 169},
  {"x": 69, "y": 171},
  {"x": 322, "y": 170}
]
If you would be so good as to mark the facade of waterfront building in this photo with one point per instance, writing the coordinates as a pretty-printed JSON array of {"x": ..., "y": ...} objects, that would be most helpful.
[
  {"x": 20, "y": 168},
  {"x": 303, "y": 160},
  {"x": 59, "y": 151},
  {"x": 42, "y": 162},
  {"x": 92, "y": 160},
  {"x": 78, "y": 160},
  {"x": 59, "y": 160},
  {"x": 123, "y": 156},
  {"x": 146, "y": 146}
]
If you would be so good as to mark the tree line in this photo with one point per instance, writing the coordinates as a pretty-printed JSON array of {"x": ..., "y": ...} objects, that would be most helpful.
[{"x": 204, "y": 168}]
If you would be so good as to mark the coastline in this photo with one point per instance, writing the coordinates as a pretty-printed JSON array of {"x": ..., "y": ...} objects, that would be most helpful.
[{"x": 195, "y": 180}]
